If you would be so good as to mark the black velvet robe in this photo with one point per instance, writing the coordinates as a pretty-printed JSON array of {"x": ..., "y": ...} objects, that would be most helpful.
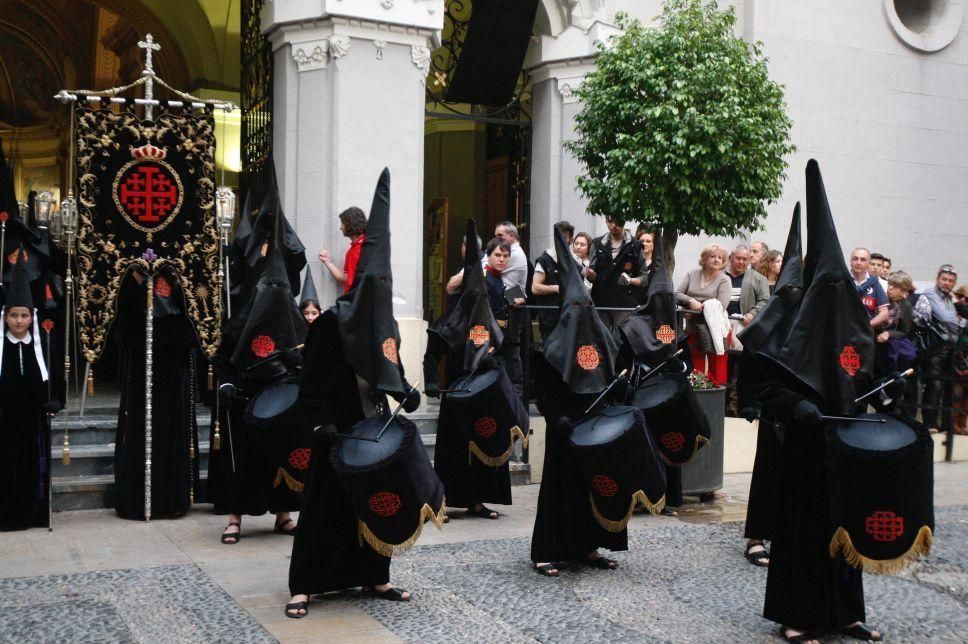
[
  {"x": 564, "y": 527},
  {"x": 327, "y": 554},
  {"x": 24, "y": 441},
  {"x": 173, "y": 411},
  {"x": 248, "y": 487},
  {"x": 805, "y": 588}
]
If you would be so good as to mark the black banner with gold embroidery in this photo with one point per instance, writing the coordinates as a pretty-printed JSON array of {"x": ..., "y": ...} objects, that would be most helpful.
[{"x": 146, "y": 199}]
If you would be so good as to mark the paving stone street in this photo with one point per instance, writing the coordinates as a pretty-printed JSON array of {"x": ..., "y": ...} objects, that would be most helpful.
[{"x": 97, "y": 578}]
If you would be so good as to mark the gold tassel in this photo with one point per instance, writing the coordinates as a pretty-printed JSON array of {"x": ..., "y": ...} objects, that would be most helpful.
[
  {"x": 90, "y": 383},
  {"x": 217, "y": 439},
  {"x": 427, "y": 513},
  {"x": 191, "y": 451},
  {"x": 841, "y": 544},
  {"x": 66, "y": 454},
  {"x": 291, "y": 483},
  {"x": 638, "y": 498},
  {"x": 211, "y": 378},
  {"x": 700, "y": 442},
  {"x": 496, "y": 461}
]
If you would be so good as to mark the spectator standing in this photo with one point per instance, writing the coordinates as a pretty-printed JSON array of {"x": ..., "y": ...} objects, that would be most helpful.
[
  {"x": 708, "y": 283},
  {"x": 937, "y": 305},
  {"x": 878, "y": 269},
  {"x": 769, "y": 267},
  {"x": 616, "y": 258},
  {"x": 757, "y": 250},
  {"x": 749, "y": 294},
  {"x": 641, "y": 283},
  {"x": 352, "y": 223},
  {"x": 960, "y": 399},
  {"x": 545, "y": 286},
  {"x": 895, "y": 349},
  {"x": 581, "y": 248},
  {"x": 872, "y": 296},
  {"x": 515, "y": 278}
]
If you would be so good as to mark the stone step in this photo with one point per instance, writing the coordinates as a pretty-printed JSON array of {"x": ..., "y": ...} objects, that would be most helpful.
[{"x": 98, "y": 460}]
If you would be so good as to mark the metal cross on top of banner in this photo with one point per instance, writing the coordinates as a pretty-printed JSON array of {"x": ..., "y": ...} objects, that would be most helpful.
[{"x": 148, "y": 44}]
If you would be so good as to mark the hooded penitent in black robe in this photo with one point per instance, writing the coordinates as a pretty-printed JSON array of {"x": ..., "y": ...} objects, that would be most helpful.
[
  {"x": 769, "y": 326},
  {"x": 565, "y": 528},
  {"x": 348, "y": 359},
  {"x": 174, "y": 474},
  {"x": 825, "y": 357},
  {"x": 466, "y": 481},
  {"x": 25, "y": 396},
  {"x": 243, "y": 478}
]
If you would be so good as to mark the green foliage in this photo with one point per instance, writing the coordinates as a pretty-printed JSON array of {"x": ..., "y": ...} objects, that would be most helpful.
[{"x": 681, "y": 126}]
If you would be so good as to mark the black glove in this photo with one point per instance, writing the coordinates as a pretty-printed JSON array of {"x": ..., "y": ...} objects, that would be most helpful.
[
  {"x": 412, "y": 399},
  {"x": 486, "y": 363},
  {"x": 228, "y": 392},
  {"x": 749, "y": 413},
  {"x": 292, "y": 359},
  {"x": 1, "y": 415},
  {"x": 563, "y": 427},
  {"x": 807, "y": 413},
  {"x": 327, "y": 431},
  {"x": 431, "y": 390},
  {"x": 52, "y": 406}
]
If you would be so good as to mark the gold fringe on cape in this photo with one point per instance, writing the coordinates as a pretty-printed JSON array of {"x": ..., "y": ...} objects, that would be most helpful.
[
  {"x": 291, "y": 483},
  {"x": 700, "y": 441},
  {"x": 496, "y": 461},
  {"x": 638, "y": 498},
  {"x": 841, "y": 544},
  {"x": 427, "y": 513}
]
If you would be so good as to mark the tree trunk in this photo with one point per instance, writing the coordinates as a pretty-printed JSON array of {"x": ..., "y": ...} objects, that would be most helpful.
[{"x": 669, "y": 240}]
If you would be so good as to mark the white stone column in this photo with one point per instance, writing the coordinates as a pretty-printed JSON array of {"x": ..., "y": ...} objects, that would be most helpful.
[
  {"x": 557, "y": 65},
  {"x": 348, "y": 100}
]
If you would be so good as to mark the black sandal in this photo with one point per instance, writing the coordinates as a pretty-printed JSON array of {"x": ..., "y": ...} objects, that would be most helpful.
[
  {"x": 860, "y": 632},
  {"x": 761, "y": 558},
  {"x": 548, "y": 569},
  {"x": 797, "y": 639},
  {"x": 297, "y": 606},
  {"x": 602, "y": 563},
  {"x": 484, "y": 513},
  {"x": 232, "y": 535},
  {"x": 390, "y": 594},
  {"x": 278, "y": 529}
]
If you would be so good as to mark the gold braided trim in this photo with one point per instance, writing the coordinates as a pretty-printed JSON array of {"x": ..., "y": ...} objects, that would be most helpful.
[
  {"x": 841, "y": 544},
  {"x": 291, "y": 483},
  {"x": 427, "y": 513},
  {"x": 638, "y": 498},
  {"x": 700, "y": 442},
  {"x": 496, "y": 461}
]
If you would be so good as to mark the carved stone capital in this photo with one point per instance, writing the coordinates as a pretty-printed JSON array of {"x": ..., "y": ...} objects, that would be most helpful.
[
  {"x": 420, "y": 55},
  {"x": 310, "y": 55},
  {"x": 339, "y": 46},
  {"x": 567, "y": 88}
]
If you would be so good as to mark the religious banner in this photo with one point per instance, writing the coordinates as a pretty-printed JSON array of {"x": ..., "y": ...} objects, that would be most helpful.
[{"x": 146, "y": 199}]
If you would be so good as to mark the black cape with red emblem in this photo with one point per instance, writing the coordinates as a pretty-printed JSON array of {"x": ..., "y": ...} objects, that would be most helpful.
[
  {"x": 391, "y": 483},
  {"x": 828, "y": 344},
  {"x": 652, "y": 331},
  {"x": 580, "y": 349},
  {"x": 469, "y": 329}
]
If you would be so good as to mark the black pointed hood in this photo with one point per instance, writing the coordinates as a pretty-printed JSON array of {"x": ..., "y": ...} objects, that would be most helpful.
[
  {"x": 367, "y": 328},
  {"x": 18, "y": 290},
  {"x": 469, "y": 329},
  {"x": 830, "y": 345},
  {"x": 652, "y": 329},
  {"x": 269, "y": 320},
  {"x": 308, "y": 289},
  {"x": 581, "y": 349},
  {"x": 786, "y": 295},
  {"x": 263, "y": 227}
]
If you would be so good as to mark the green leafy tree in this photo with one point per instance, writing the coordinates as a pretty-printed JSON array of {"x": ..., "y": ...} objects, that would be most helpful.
[{"x": 681, "y": 126}]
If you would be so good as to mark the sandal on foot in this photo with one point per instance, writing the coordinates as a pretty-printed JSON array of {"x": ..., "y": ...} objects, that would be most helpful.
[
  {"x": 391, "y": 594},
  {"x": 232, "y": 535},
  {"x": 278, "y": 529},
  {"x": 602, "y": 563},
  {"x": 484, "y": 513},
  {"x": 860, "y": 632},
  {"x": 297, "y": 606},
  {"x": 761, "y": 558},
  {"x": 797, "y": 639},
  {"x": 548, "y": 569}
]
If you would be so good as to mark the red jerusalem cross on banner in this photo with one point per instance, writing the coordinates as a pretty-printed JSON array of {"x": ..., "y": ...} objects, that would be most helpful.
[{"x": 147, "y": 191}]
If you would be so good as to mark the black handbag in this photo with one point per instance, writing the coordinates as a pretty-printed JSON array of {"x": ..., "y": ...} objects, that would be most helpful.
[{"x": 929, "y": 337}]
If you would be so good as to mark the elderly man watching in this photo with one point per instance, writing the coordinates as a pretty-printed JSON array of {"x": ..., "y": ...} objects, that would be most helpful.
[
  {"x": 750, "y": 292},
  {"x": 869, "y": 289}
]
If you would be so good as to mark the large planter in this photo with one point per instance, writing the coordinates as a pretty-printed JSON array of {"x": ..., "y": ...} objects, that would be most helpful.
[{"x": 704, "y": 473}]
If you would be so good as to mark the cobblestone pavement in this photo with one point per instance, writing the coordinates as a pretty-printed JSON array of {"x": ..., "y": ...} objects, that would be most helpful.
[
  {"x": 677, "y": 583},
  {"x": 160, "y": 604}
]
